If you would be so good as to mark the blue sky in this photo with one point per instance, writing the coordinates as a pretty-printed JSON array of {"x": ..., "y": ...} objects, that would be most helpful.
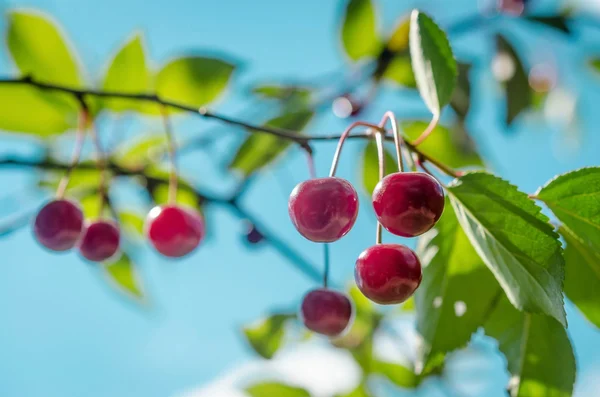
[{"x": 65, "y": 333}]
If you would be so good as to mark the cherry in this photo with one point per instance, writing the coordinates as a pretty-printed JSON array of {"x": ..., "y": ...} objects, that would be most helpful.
[
  {"x": 326, "y": 312},
  {"x": 388, "y": 273},
  {"x": 100, "y": 241},
  {"x": 58, "y": 225},
  {"x": 174, "y": 231},
  {"x": 408, "y": 204},
  {"x": 323, "y": 209}
]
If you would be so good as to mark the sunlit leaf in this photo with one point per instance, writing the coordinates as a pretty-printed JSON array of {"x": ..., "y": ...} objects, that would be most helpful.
[
  {"x": 123, "y": 276},
  {"x": 398, "y": 374},
  {"x": 131, "y": 222},
  {"x": 141, "y": 151},
  {"x": 518, "y": 92},
  {"x": 400, "y": 71},
  {"x": 360, "y": 391},
  {"x": 91, "y": 205},
  {"x": 514, "y": 239},
  {"x": 266, "y": 336},
  {"x": 272, "y": 389},
  {"x": 370, "y": 166},
  {"x": 359, "y": 30},
  {"x": 184, "y": 196},
  {"x": 82, "y": 180},
  {"x": 286, "y": 93}
]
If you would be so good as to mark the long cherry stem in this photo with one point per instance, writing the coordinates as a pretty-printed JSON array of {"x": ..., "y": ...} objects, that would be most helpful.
[
  {"x": 432, "y": 124},
  {"x": 397, "y": 138},
  {"x": 381, "y": 157},
  {"x": 101, "y": 160},
  {"x": 343, "y": 137},
  {"x": 79, "y": 140},
  {"x": 326, "y": 260},
  {"x": 311, "y": 165},
  {"x": 172, "y": 198}
]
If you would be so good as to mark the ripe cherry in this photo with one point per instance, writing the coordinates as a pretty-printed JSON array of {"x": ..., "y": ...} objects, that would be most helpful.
[
  {"x": 326, "y": 312},
  {"x": 58, "y": 225},
  {"x": 100, "y": 241},
  {"x": 323, "y": 209},
  {"x": 174, "y": 231},
  {"x": 408, "y": 203},
  {"x": 388, "y": 273}
]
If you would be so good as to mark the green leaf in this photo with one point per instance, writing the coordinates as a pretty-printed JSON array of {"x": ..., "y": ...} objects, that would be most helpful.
[
  {"x": 184, "y": 196},
  {"x": 39, "y": 49},
  {"x": 582, "y": 275},
  {"x": 370, "y": 166},
  {"x": 456, "y": 293},
  {"x": 538, "y": 351},
  {"x": 260, "y": 149},
  {"x": 123, "y": 276},
  {"x": 271, "y": 389},
  {"x": 128, "y": 73},
  {"x": 514, "y": 239},
  {"x": 595, "y": 64},
  {"x": 285, "y": 93},
  {"x": 400, "y": 71},
  {"x": 433, "y": 63},
  {"x": 193, "y": 81},
  {"x": 574, "y": 198},
  {"x": 360, "y": 391},
  {"x": 90, "y": 205},
  {"x": 55, "y": 113},
  {"x": 141, "y": 151},
  {"x": 518, "y": 93},
  {"x": 398, "y": 374},
  {"x": 131, "y": 222},
  {"x": 266, "y": 336},
  {"x": 81, "y": 181},
  {"x": 558, "y": 22},
  {"x": 359, "y": 30},
  {"x": 444, "y": 145},
  {"x": 461, "y": 97}
]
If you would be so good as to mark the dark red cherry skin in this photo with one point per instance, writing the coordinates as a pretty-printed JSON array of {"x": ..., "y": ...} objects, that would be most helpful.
[
  {"x": 408, "y": 204},
  {"x": 326, "y": 312},
  {"x": 174, "y": 231},
  {"x": 323, "y": 209},
  {"x": 100, "y": 241},
  {"x": 58, "y": 225},
  {"x": 388, "y": 273}
]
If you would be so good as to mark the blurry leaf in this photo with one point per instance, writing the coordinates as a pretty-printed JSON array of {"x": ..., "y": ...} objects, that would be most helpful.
[
  {"x": 266, "y": 336},
  {"x": 360, "y": 391},
  {"x": 90, "y": 205},
  {"x": 398, "y": 374},
  {"x": 574, "y": 198},
  {"x": 131, "y": 222},
  {"x": 514, "y": 239},
  {"x": 127, "y": 73},
  {"x": 400, "y": 71},
  {"x": 538, "y": 351},
  {"x": 595, "y": 64},
  {"x": 82, "y": 180},
  {"x": 518, "y": 92},
  {"x": 456, "y": 293},
  {"x": 38, "y": 48},
  {"x": 582, "y": 276},
  {"x": 359, "y": 30},
  {"x": 409, "y": 305},
  {"x": 558, "y": 22},
  {"x": 443, "y": 145},
  {"x": 141, "y": 151},
  {"x": 193, "y": 81},
  {"x": 362, "y": 305},
  {"x": 399, "y": 40},
  {"x": 260, "y": 149},
  {"x": 432, "y": 61},
  {"x": 370, "y": 166},
  {"x": 185, "y": 196},
  {"x": 284, "y": 93},
  {"x": 461, "y": 97},
  {"x": 268, "y": 389},
  {"x": 122, "y": 274},
  {"x": 30, "y": 110}
]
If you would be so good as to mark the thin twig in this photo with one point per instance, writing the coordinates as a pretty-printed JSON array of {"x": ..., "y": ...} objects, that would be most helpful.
[{"x": 171, "y": 148}]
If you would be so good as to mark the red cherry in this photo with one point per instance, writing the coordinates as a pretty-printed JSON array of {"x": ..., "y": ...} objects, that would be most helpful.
[
  {"x": 323, "y": 209},
  {"x": 388, "y": 273},
  {"x": 326, "y": 312},
  {"x": 100, "y": 241},
  {"x": 58, "y": 225},
  {"x": 174, "y": 231},
  {"x": 408, "y": 203}
]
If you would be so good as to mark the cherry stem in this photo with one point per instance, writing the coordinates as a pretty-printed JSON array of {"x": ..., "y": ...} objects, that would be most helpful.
[
  {"x": 381, "y": 158},
  {"x": 343, "y": 137},
  {"x": 79, "y": 140},
  {"x": 311, "y": 165},
  {"x": 397, "y": 139},
  {"x": 432, "y": 124},
  {"x": 101, "y": 159},
  {"x": 172, "y": 197},
  {"x": 326, "y": 261}
]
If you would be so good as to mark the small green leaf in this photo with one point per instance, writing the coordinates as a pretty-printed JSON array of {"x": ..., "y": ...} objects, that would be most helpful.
[
  {"x": 456, "y": 293},
  {"x": 514, "y": 239},
  {"x": 141, "y": 151},
  {"x": 29, "y": 110},
  {"x": 185, "y": 196},
  {"x": 538, "y": 351},
  {"x": 396, "y": 373},
  {"x": 127, "y": 73},
  {"x": 359, "y": 30},
  {"x": 131, "y": 222},
  {"x": 90, "y": 205},
  {"x": 400, "y": 71},
  {"x": 444, "y": 145},
  {"x": 518, "y": 92},
  {"x": 266, "y": 336},
  {"x": 595, "y": 64},
  {"x": 370, "y": 166},
  {"x": 39, "y": 49},
  {"x": 574, "y": 198},
  {"x": 193, "y": 81},
  {"x": 260, "y": 149},
  {"x": 433, "y": 63},
  {"x": 271, "y": 389},
  {"x": 582, "y": 275},
  {"x": 123, "y": 276}
]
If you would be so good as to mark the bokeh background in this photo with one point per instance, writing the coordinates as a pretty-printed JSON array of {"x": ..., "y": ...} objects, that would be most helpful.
[{"x": 65, "y": 332}]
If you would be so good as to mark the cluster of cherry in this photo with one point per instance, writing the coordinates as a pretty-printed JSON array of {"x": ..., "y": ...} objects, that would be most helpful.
[{"x": 59, "y": 226}]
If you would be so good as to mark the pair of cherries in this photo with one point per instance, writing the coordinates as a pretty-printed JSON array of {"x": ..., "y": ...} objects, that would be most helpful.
[
  {"x": 325, "y": 209},
  {"x": 60, "y": 226}
]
